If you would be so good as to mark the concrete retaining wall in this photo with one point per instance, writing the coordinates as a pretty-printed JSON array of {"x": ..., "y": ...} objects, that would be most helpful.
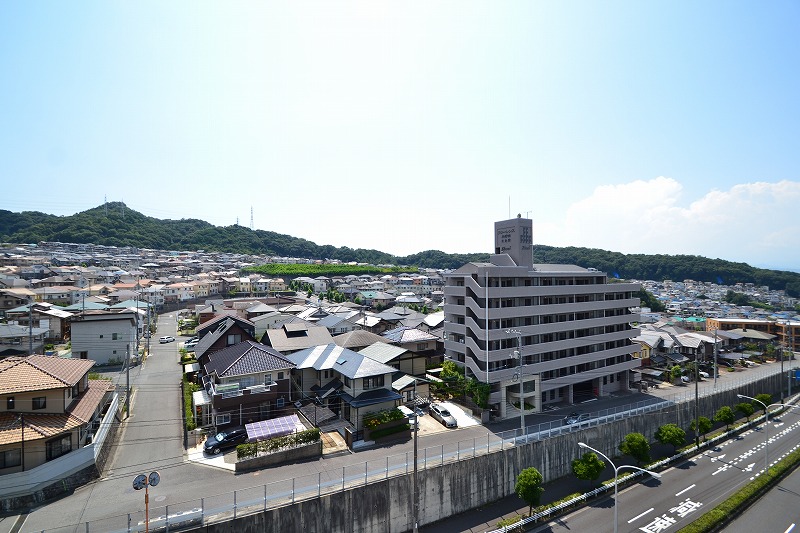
[
  {"x": 459, "y": 486},
  {"x": 300, "y": 453}
]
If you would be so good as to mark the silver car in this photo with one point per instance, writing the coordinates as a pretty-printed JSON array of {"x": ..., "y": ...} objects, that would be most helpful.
[{"x": 440, "y": 413}]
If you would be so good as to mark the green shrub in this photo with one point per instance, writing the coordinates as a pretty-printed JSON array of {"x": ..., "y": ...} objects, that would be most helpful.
[
  {"x": 378, "y": 433},
  {"x": 379, "y": 418},
  {"x": 188, "y": 389},
  {"x": 246, "y": 450},
  {"x": 506, "y": 522}
]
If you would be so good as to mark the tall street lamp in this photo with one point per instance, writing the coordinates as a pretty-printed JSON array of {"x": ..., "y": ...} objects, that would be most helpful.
[
  {"x": 766, "y": 428},
  {"x": 616, "y": 481}
]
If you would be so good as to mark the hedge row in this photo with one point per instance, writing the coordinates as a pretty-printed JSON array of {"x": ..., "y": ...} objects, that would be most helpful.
[
  {"x": 252, "y": 449},
  {"x": 378, "y": 433}
]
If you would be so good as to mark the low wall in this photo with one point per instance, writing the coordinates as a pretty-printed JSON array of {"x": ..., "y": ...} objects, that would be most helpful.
[
  {"x": 459, "y": 486},
  {"x": 300, "y": 453}
]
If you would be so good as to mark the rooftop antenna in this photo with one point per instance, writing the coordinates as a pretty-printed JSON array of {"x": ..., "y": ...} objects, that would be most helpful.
[{"x": 237, "y": 220}]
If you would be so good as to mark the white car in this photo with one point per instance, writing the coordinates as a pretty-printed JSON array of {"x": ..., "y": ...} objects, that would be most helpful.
[{"x": 164, "y": 340}]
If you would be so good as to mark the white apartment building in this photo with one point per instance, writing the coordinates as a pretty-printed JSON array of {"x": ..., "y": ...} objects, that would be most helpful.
[{"x": 573, "y": 328}]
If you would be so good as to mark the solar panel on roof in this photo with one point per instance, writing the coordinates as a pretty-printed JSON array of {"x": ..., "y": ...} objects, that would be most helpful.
[{"x": 276, "y": 427}]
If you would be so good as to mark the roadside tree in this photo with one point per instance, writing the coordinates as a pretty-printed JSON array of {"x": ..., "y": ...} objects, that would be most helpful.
[
  {"x": 529, "y": 487},
  {"x": 636, "y": 445},
  {"x": 703, "y": 428},
  {"x": 671, "y": 434},
  {"x": 746, "y": 408},
  {"x": 725, "y": 415},
  {"x": 589, "y": 467}
]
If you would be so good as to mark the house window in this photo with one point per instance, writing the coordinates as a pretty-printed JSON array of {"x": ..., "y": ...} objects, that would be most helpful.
[
  {"x": 40, "y": 402},
  {"x": 267, "y": 379},
  {"x": 422, "y": 346},
  {"x": 101, "y": 336},
  {"x": 281, "y": 375},
  {"x": 11, "y": 458},
  {"x": 75, "y": 390},
  {"x": 234, "y": 339},
  {"x": 10, "y": 403},
  {"x": 373, "y": 382},
  {"x": 221, "y": 420},
  {"x": 280, "y": 402},
  {"x": 114, "y": 336},
  {"x": 347, "y": 382},
  {"x": 58, "y": 447}
]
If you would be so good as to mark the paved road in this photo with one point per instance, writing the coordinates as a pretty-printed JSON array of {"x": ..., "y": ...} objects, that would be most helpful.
[
  {"x": 152, "y": 440},
  {"x": 778, "y": 511},
  {"x": 689, "y": 488}
]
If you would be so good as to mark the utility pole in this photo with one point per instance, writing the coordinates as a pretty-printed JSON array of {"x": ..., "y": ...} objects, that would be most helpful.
[
  {"x": 30, "y": 326},
  {"x": 128, "y": 379},
  {"x": 416, "y": 487},
  {"x": 696, "y": 403},
  {"x": 716, "y": 354}
]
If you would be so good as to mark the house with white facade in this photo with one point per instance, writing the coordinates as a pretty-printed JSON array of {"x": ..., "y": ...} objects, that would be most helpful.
[{"x": 105, "y": 337}]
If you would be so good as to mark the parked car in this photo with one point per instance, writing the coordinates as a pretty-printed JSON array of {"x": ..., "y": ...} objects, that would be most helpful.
[
  {"x": 229, "y": 438},
  {"x": 164, "y": 340},
  {"x": 575, "y": 418},
  {"x": 440, "y": 413},
  {"x": 189, "y": 345},
  {"x": 703, "y": 375},
  {"x": 408, "y": 413}
]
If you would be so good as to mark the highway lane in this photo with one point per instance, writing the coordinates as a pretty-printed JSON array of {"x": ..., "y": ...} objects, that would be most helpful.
[
  {"x": 777, "y": 511},
  {"x": 689, "y": 488}
]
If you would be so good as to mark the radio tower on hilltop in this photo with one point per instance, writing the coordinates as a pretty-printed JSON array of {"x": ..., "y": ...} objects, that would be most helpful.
[{"x": 251, "y": 218}]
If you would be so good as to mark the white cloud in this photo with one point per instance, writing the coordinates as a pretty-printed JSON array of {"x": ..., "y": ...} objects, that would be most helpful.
[{"x": 751, "y": 222}]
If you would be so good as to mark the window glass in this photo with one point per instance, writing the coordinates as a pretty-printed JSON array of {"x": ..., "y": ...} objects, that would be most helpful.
[{"x": 39, "y": 402}]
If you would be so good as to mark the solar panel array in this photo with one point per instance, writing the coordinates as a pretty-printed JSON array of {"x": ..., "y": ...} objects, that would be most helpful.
[{"x": 276, "y": 427}]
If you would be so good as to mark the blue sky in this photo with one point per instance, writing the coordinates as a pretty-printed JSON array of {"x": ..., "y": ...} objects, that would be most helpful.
[{"x": 638, "y": 127}]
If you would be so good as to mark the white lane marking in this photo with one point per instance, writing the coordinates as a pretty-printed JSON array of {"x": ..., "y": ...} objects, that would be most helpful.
[
  {"x": 789, "y": 529},
  {"x": 637, "y": 517},
  {"x": 684, "y": 490}
]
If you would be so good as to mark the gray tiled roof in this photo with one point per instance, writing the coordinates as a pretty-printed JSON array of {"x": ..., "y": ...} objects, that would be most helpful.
[
  {"x": 346, "y": 362},
  {"x": 405, "y": 334},
  {"x": 382, "y": 352},
  {"x": 245, "y": 358}
]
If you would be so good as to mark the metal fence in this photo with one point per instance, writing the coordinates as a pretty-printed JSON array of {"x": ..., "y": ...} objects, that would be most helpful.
[{"x": 229, "y": 505}]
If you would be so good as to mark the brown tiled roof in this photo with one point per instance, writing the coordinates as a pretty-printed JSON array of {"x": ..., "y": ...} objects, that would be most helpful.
[
  {"x": 43, "y": 426},
  {"x": 40, "y": 372}
]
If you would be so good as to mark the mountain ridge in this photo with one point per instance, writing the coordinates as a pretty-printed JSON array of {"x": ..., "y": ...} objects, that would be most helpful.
[{"x": 114, "y": 224}]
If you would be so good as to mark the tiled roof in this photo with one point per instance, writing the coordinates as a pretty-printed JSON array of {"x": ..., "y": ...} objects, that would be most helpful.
[
  {"x": 40, "y": 372},
  {"x": 43, "y": 426},
  {"x": 246, "y": 358},
  {"x": 358, "y": 338},
  {"x": 404, "y": 334}
]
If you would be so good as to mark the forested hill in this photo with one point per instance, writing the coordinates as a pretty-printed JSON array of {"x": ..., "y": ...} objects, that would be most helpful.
[{"x": 117, "y": 225}]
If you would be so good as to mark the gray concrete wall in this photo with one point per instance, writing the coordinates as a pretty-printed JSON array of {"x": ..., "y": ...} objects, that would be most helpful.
[{"x": 455, "y": 487}]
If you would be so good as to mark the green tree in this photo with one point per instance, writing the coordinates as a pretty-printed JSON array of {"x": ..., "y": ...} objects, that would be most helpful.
[
  {"x": 704, "y": 426},
  {"x": 636, "y": 445},
  {"x": 725, "y": 415},
  {"x": 588, "y": 467},
  {"x": 746, "y": 408},
  {"x": 529, "y": 487},
  {"x": 675, "y": 372},
  {"x": 671, "y": 434},
  {"x": 765, "y": 399}
]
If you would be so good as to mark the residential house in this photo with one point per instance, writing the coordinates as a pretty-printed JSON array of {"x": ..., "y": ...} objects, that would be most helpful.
[
  {"x": 220, "y": 333},
  {"x": 19, "y": 340},
  {"x": 293, "y": 337},
  {"x": 47, "y": 409},
  {"x": 12, "y": 298},
  {"x": 106, "y": 337},
  {"x": 243, "y": 383},
  {"x": 345, "y": 381}
]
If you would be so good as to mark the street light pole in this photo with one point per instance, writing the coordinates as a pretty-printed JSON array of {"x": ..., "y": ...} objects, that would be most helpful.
[
  {"x": 616, "y": 481},
  {"x": 766, "y": 429}
]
